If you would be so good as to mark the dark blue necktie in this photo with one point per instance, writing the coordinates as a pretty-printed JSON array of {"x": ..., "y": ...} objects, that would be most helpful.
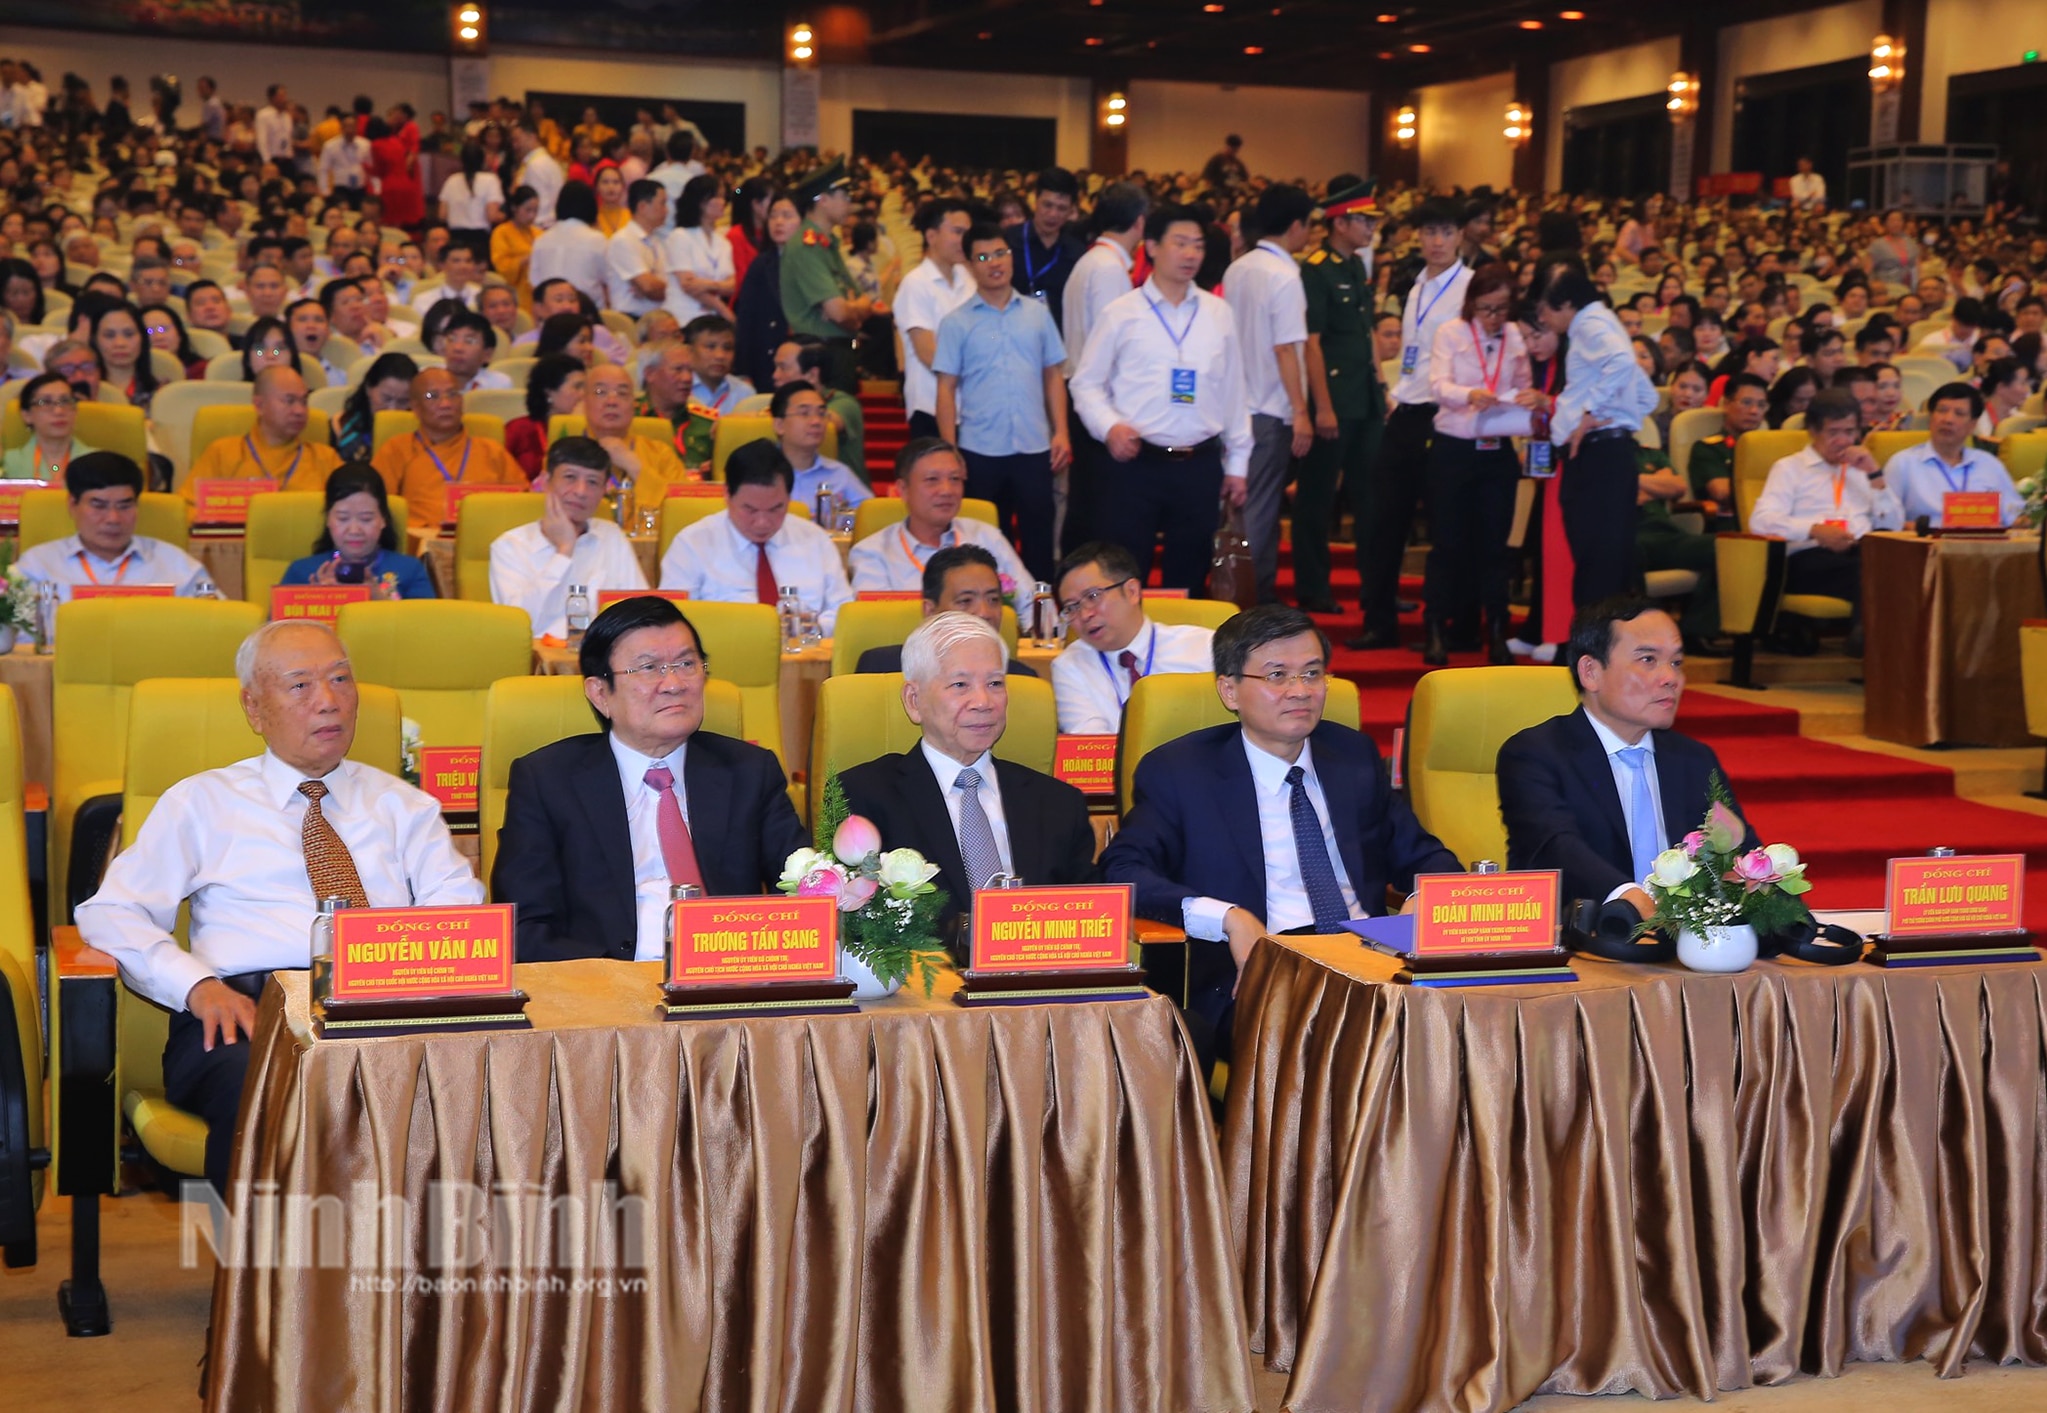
[{"x": 1318, "y": 875}]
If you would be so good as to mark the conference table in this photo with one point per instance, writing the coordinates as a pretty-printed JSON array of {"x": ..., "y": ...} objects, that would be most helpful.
[
  {"x": 1651, "y": 1181},
  {"x": 918, "y": 1207},
  {"x": 1941, "y": 622}
]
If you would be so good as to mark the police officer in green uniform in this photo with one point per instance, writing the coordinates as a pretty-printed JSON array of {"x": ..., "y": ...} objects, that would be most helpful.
[
  {"x": 819, "y": 296},
  {"x": 1343, "y": 381}
]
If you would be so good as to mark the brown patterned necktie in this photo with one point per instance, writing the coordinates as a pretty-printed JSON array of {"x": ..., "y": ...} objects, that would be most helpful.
[{"x": 328, "y": 862}]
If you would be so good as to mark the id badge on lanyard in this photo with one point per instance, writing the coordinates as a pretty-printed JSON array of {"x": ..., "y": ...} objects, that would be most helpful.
[
  {"x": 1410, "y": 357},
  {"x": 1183, "y": 386}
]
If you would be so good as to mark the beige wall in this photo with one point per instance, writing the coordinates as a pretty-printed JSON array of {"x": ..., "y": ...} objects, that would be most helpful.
[
  {"x": 1460, "y": 133},
  {"x": 1792, "y": 42},
  {"x": 1602, "y": 78},
  {"x": 1969, "y": 36},
  {"x": 1305, "y": 134}
]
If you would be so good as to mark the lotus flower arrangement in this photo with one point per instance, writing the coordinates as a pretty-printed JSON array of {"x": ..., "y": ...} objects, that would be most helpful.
[
  {"x": 1710, "y": 882},
  {"x": 888, "y": 905}
]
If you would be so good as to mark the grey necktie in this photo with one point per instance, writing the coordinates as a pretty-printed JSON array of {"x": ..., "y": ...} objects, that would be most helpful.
[{"x": 977, "y": 835}]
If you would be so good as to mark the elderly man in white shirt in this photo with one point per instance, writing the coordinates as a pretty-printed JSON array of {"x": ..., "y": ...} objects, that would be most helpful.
[
  {"x": 752, "y": 549},
  {"x": 252, "y": 846},
  {"x": 104, "y": 490},
  {"x": 635, "y": 263},
  {"x": 532, "y": 566},
  {"x": 927, "y": 294},
  {"x": 1922, "y": 476},
  {"x": 1113, "y": 643},
  {"x": 931, "y": 477}
]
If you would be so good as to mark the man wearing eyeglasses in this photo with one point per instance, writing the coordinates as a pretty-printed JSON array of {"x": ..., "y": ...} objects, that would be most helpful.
[
  {"x": 422, "y": 465},
  {"x": 532, "y": 565},
  {"x": 1283, "y": 822},
  {"x": 1111, "y": 642},
  {"x": 599, "y": 827},
  {"x": 105, "y": 493}
]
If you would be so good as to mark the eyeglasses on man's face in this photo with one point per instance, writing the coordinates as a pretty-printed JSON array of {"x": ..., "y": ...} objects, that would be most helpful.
[
  {"x": 651, "y": 674},
  {"x": 1074, "y": 607},
  {"x": 1279, "y": 679}
]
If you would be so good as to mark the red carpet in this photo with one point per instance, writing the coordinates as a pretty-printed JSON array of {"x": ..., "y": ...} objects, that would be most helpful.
[{"x": 887, "y": 430}]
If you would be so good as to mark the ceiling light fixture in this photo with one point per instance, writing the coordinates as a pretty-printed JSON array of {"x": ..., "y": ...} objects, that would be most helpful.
[
  {"x": 1254, "y": 49},
  {"x": 1417, "y": 48},
  {"x": 1570, "y": 14},
  {"x": 1531, "y": 24}
]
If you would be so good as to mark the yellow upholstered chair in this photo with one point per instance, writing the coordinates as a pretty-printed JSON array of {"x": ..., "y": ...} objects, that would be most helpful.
[
  {"x": 1754, "y": 455},
  {"x": 1167, "y": 706},
  {"x": 506, "y": 404},
  {"x": 404, "y": 424},
  {"x": 18, "y": 962},
  {"x": 517, "y": 369},
  {"x": 1882, "y": 446},
  {"x": 880, "y": 623},
  {"x": 1459, "y": 719},
  {"x": 861, "y": 717},
  {"x": 740, "y": 428},
  {"x": 226, "y": 367},
  {"x": 178, "y": 728},
  {"x": 174, "y": 409},
  {"x": 479, "y": 521},
  {"x": 880, "y": 512},
  {"x": 2033, "y": 673},
  {"x": 46, "y": 515},
  {"x": 2024, "y": 455},
  {"x": 678, "y": 513},
  {"x": 522, "y": 714},
  {"x": 574, "y": 424},
  {"x": 106, "y": 646},
  {"x": 1687, "y": 429},
  {"x": 1201, "y": 613},
  {"x": 441, "y": 656},
  {"x": 1749, "y": 577},
  {"x": 282, "y": 527},
  {"x": 744, "y": 644}
]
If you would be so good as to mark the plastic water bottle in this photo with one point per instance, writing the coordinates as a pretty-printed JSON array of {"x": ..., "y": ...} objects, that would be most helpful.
[
  {"x": 578, "y": 613},
  {"x": 323, "y": 947},
  {"x": 206, "y": 588},
  {"x": 46, "y": 617},
  {"x": 789, "y": 608},
  {"x": 1044, "y": 614}
]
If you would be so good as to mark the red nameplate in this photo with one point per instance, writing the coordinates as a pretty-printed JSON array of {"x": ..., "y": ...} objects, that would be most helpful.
[
  {"x": 11, "y": 493},
  {"x": 745, "y": 941},
  {"x": 1457, "y": 913},
  {"x": 389, "y": 954},
  {"x": 321, "y": 603},
  {"x": 1088, "y": 763},
  {"x": 694, "y": 488},
  {"x": 607, "y": 597},
  {"x": 889, "y": 595},
  {"x": 1052, "y": 929},
  {"x": 1165, "y": 593},
  {"x": 449, "y": 774},
  {"x": 1984, "y": 893},
  {"x": 225, "y": 502},
  {"x": 81, "y": 592},
  {"x": 1971, "y": 510},
  {"x": 462, "y": 490}
]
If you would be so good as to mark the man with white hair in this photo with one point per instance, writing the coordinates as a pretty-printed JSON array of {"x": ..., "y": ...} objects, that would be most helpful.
[
  {"x": 255, "y": 846},
  {"x": 948, "y": 797}
]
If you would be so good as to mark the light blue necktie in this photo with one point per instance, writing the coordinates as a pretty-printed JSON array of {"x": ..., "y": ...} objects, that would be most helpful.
[{"x": 1645, "y": 839}]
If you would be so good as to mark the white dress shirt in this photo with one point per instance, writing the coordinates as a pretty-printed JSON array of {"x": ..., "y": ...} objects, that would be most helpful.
[
  {"x": 1463, "y": 358},
  {"x": 1099, "y": 279},
  {"x": 1624, "y": 783},
  {"x": 633, "y": 251},
  {"x": 464, "y": 295},
  {"x": 527, "y": 572},
  {"x": 1286, "y": 892},
  {"x": 574, "y": 251},
  {"x": 343, "y": 161},
  {"x": 273, "y": 132},
  {"x": 922, "y": 301},
  {"x": 485, "y": 380},
  {"x": 1263, "y": 289},
  {"x": 230, "y": 840},
  {"x": 947, "y": 770},
  {"x": 1804, "y": 491},
  {"x": 695, "y": 251},
  {"x": 643, "y": 826},
  {"x": 541, "y": 172},
  {"x": 1808, "y": 190},
  {"x": 1127, "y": 374},
  {"x": 1919, "y": 478},
  {"x": 713, "y": 561},
  {"x": 1091, "y": 686},
  {"x": 673, "y": 176},
  {"x": 1601, "y": 377},
  {"x": 67, "y": 564},
  {"x": 892, "y": 559},
  {"x": 1433, "y": 302},
  {"x": 468, "y": 203}
]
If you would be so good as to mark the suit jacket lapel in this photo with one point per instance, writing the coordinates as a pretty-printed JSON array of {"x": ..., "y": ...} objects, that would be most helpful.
[
  {"x": 1674, "y": 784},
  {"x": 1029, "y": 852},
  {"x": 706, "y": 778},
  {"x": 925, "y": 808},
  {"x": 1589, "y": 760},
  {"x": 1237, "y": 797},
  {"x": 603, "y": 801},
  {"x": 1337, "y": 769}
]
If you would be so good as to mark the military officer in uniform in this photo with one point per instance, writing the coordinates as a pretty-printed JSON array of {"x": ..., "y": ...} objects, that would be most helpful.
[
  {"x": 1344, "y": 382},
  {"x": 819, "y": 296},
  {"x": 1744, "y": 404}
]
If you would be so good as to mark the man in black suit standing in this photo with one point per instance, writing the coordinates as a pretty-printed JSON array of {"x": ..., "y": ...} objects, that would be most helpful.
[
  {"x": 1599, "y": 793},
  {"x": 948, "y": 797},
  {"x": 959, "y": 579},
  {"x": 1283, "y": 822},
  {"x": 598, "y": 827}
]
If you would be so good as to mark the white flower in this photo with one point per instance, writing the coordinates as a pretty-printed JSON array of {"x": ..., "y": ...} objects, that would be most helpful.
[
  {"x": 1673, "y": 867},
  {"x": 905, "y": 868},
  {"x": 1785, "y": 859},
  {"x": 799, "y": 864}
]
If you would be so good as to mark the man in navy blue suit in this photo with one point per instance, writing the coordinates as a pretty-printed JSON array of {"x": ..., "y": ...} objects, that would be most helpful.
[
  {"x": 1597, "y": 794},
  {"x": 1283, "y": 822}
]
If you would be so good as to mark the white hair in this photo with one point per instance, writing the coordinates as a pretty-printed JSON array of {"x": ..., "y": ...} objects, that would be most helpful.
[
  {"x": 250, "y": 653},
  {"x": 938, "y": 637}
]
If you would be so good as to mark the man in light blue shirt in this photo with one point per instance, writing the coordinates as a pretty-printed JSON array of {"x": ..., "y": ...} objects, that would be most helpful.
[
  {"x": 1001, "y": 398},
  {"x": 799, "y": 413},
  {"x": 1921, "y": 476}
]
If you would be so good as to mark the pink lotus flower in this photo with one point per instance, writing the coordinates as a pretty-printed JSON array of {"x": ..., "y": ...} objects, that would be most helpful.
[
  {"x": 1755, "y": 869},
  {"x": 856, "y": 840},
  {"x": 1724, "y": 829},
  {"x": 1695, "y": 841},
  {"x": 854, "y": 894},
  {"x": 824, "y": 881}
]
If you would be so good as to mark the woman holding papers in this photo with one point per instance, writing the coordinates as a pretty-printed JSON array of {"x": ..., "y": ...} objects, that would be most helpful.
[{"x": 1479, "y": 378}]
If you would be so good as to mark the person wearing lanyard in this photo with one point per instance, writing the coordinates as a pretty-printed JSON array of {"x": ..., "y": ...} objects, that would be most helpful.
[
  {"x": 931, "y": 477},
  {"x": 1043, "y": 249},
  {"x": 1099, "y": 278},
  {"x": 1922, "y": 476},
  {"x": 104, "y": 490},
  {"x": 1394, "y": 487},
  {"x": 1111, "y": 641},
  {"x": 272, "y": 449},
  {"x": 1823, "y": 500},
  {"x": 51, "y": 410},
  {"x": 1606, "y": 395},
  {"x": 1479, "y": 378},
  {"x": 421, "y": 466},
  {"x": 1161, "y": 386}
]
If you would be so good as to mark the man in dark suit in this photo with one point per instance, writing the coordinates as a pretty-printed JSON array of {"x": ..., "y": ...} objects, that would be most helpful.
[
  {"x": 1283, "y": 822},
  {"x": 598, "y": 827},
  {"x": 1599, "y": 793},
  {"x": 948, "y": 797},
  {"x": 962, "y": 579}
]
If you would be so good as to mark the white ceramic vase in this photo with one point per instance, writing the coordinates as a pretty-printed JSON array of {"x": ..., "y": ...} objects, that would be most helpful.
[
  {"x": 7, "y": 632},
  {"x": 866, "y": 985},
  {"x": 1721, "y": 949}
]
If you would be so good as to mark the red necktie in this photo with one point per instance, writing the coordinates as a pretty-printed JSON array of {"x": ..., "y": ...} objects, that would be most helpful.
[
  {"x": 1128, "y": 661},
  {"x": 764, "y": 586},
  {"x": 677, "y": 850}
]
